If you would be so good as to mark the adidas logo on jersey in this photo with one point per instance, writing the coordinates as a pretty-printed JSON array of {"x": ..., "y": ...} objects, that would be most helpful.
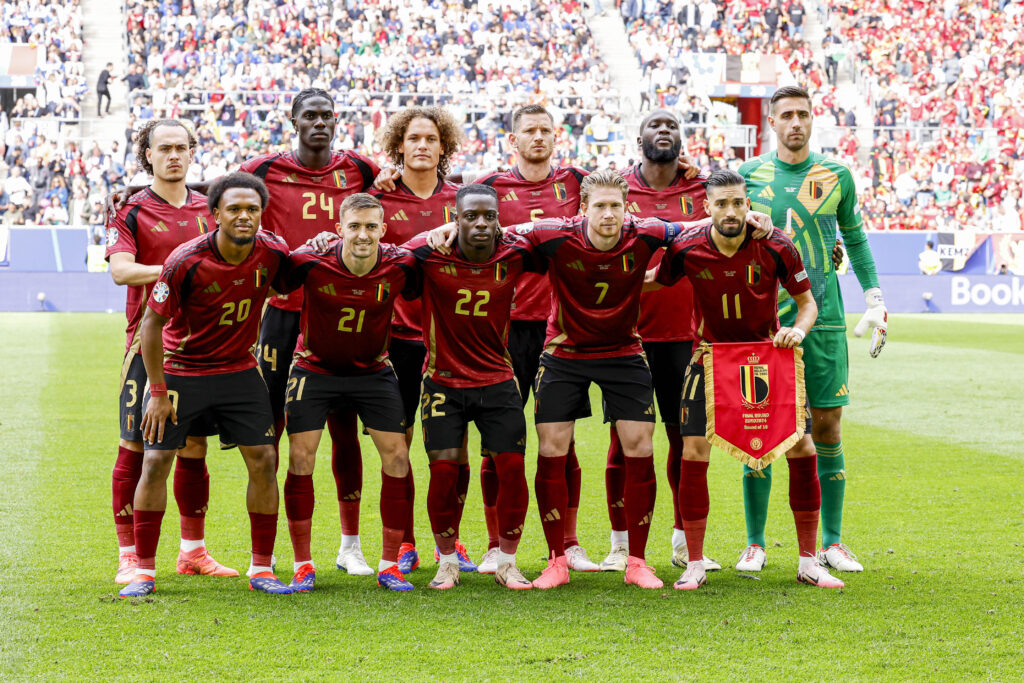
[
  {"x": 328, "y": 289},
  {"x": 577, "y": 265},
  {"x": 400, "y": 216},
  {"x": 450, "y": 270},
  {"x": 125, "y": 511},
  {"x": 767, "y": 192},
  {"x": 620, "y": 503},
  {"x": 843, "y": 391},
  {"x": 633, "y": 207},
  {"x": 510, "y": 197},
  {"x": 705, "y": 274},
  {"x": 159, "y": 227},
  {"x": 212, "y": 289}
]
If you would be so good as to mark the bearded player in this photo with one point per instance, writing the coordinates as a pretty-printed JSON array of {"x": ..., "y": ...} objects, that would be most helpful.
[
  {"x": 308, "y": 187},
  {"x": 140, "y": 236},
  {"x": 659, "y": 188},
  {"x": 532, "y": 190},
  {"x": 814, "y": 197},
  {"x": 421, "y": 142},
  {"x": 197, "y": 338},
  {"x": 341, "y": 364},
  {"x": 736, "y": 281}
]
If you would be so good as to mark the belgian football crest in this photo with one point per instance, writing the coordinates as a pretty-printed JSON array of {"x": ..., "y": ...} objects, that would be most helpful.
[
  {"x": 753, "y": 382},
  {"x": 753, "y": 274},
  {"x": 686, "y": 204},
  {"x": 449, "y": 214},
  {"x": 500, "y": 272},
  {"x": 628, "y": 261},
  {"x": 339, "y": 178},
  {"x": 559, "y": 190},
  {"x": 204, "y": 226},
  {"x": 260, "y": 275},
  {"x": 382, "y": 290},
  {"x": 815, "y": 189}
]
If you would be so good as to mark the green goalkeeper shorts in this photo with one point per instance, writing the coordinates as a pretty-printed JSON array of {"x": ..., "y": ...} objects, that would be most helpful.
[{"x": 826, "y": 368}]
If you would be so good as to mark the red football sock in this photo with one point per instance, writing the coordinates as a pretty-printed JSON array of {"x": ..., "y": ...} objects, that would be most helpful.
[
  {"x": 192, "y": 494},
  {"x": 641, "y": 492},
  {"x": 513, "y": 499},
  {"x": 442, "y": 506},
  {"x": 573, "y": 481},
  {"x": 147, "y": 536},
  {"x": 489, "y": 491},
  {"x": 409, "y": 534},
  {"x": 615, "y": 482},
  {"x": 552, "y": 501},
  {"x": 461, "y": 492},
  {"x": 263, "y": 532},
  {"x": 347, "y": 464},
  {"x": 675, "y": 458},
  {"x": 694, "y": 505},
  {"x": 124, "y": 481},
  {"x": 299, "y": 501},
  {"x": 394, "y": 497},
  {"x": 805, "y": 501}
]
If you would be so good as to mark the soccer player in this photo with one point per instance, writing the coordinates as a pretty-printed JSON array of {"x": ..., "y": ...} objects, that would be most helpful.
[
  {"x": 735, "y": 284},
  {"x": 341, "y": 364},
  {"x": 533, "y": 190},
  {"x": 468, "y": 377},
  {"x": 140, "y": 235},
  {"x": 814, "y": 197},
  {"x": 197, "y": 339},
  {"x": 420, "y": 141},
  {"x": 596, "y": 263},
  {"x": 659, "y": 188},
  {"x": 308, "y": 187}
]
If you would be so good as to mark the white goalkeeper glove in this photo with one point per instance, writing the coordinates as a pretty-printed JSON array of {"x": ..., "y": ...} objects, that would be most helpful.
[{"x": 876, "y": 318}]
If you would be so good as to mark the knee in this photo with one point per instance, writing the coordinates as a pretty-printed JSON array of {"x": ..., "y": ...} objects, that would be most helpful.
[
  {"x": 263, "y": 464},
  {"x": 693, "y": 451}
]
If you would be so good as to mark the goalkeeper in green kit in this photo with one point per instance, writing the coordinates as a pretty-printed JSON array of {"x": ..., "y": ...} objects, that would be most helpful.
[{"x": 814, "y": 198}]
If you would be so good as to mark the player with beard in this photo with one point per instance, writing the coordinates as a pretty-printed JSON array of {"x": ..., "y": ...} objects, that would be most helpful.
[
  {"x": 140, "y": 235},
  {"x": 740, "y": 309},
  {"x": 659, "y": 188}
]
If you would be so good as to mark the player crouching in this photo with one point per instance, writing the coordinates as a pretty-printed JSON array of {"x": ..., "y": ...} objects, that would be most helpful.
[
  {"x": 736, "y": 281},
  {"x": 341, "y": 364}
]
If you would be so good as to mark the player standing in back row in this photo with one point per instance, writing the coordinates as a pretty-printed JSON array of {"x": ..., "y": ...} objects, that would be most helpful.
[{"x": 814, "y": 198}]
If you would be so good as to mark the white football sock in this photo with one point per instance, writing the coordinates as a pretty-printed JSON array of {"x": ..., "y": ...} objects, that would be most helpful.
[
  {"x": 620, "y": 537},
  {"x": 505, "y": 558},
  {"x": 678, "y": 538},
  {"x": 253, "y": 570},
  {"x": 454, "y": 557},
  {"x": 121, "y": 550},
  {"x": 188, "y": 546},
  {"x": 349, "y": 541},
  {"x": 806, "y": 562},
  {"x": 296, "y": 565},
  {"x": 385, "y": 564}
]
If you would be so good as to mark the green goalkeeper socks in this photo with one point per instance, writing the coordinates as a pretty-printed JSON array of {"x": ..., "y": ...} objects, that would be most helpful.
[
  {"x": 832, "y": 476},
  {"x": 757, "y": 489}
]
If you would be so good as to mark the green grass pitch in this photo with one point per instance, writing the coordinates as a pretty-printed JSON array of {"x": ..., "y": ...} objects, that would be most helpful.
[{"x": 934, "y": 510}]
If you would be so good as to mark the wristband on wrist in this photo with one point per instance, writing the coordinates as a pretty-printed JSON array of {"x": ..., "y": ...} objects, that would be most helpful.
[
  {"x": 158, "y": 389},
  {"x": 803, "y": 335}
]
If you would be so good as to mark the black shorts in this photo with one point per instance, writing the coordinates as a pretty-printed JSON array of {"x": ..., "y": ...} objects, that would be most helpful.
[
  {"x": 562, "y": 388},
  {"x": 235, "y": 405},
  {"x": 668, "y": 361},
  {"x": 134, "y": 383},
  {"x": 407, "y": 357},
  {"x": 496, "y": 410},
  {"x": 694, "y": 418},
  {"x": 279, "y": 331},
  {"x": 374, "y": 396},
  {"x": 525, "y": 344}
]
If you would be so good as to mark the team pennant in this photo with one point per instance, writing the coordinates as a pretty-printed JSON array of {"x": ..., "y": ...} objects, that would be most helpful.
[{"x": 755, "y": 400}]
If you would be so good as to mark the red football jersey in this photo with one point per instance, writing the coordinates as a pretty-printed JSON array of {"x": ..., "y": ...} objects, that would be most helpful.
[
  {"x": 406, "y": 216},
  {"x": 214, "y": 306},
  {"x": 466, "y": 311},
  {"x": 150, "y": 229},
  {"x": 346, "y": 318},
  {"x": 307, "y": 201},
  {"x": 736, "y": 296},
  {"x": 682, "y": 201},
  {"x": 521, "y": 201},
  {"x": 596, "y": 293}
]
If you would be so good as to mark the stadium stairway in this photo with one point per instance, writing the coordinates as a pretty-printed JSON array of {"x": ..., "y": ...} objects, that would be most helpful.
[
  {"x": 626, "y": 77},
  {"x": 104, "y": 40}
]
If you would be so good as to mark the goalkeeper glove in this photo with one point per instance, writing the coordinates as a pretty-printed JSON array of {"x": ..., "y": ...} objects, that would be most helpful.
[{"x": 877, "y": 318}]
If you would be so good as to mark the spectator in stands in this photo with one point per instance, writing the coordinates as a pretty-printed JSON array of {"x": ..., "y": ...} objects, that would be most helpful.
[{"x": 103, "y": 88}]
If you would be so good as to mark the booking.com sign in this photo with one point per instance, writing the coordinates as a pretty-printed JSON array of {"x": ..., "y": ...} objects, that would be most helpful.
[{"x": 943, "y": 293}]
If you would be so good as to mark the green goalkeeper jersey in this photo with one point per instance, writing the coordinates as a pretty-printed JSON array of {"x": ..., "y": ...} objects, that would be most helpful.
[{"x": 813, "y": 201}]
